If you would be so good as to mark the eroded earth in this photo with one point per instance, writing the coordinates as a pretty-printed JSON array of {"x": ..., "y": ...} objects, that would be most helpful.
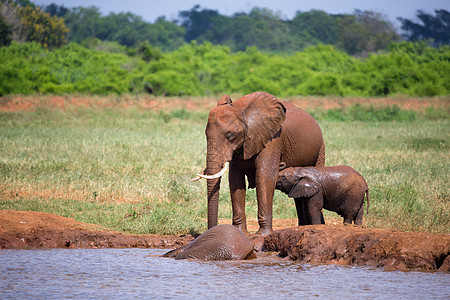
[{"x": 328, "y": 244}]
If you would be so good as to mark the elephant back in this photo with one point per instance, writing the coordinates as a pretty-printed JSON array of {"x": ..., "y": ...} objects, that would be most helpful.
[
  {"x": 221, "y": 242},
  {"x": 301, "y": 131}
]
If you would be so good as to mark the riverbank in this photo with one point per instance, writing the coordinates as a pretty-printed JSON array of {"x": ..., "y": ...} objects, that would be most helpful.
[{"x": 328, "y": 244}]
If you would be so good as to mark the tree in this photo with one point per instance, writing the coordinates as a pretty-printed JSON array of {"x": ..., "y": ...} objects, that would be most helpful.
[
  {"x": 31, "y": 24},
  {"x": 166, "y": 35},
  {"x": 5, "y": 33},
  {"x": 25, "y": 3},
  {"x": 57, "y": 10},
  {"x": 352, "y": 36},
  {"x": 10, "y": 12},
  {"x": 197, "y": 22},
  {"x": 315, "y": 26},
  {"x": 261, "y": 27},
  {"x": 40, "y": 26},
  {"x": 364, "y": 32},
  {"x": 126, "y": 28},
  {"x": 83, "y": 22},
  {"x": 380, "y": 31},
  {"x": 436, "y": 28},
  {"x": 271, "y": 32}
]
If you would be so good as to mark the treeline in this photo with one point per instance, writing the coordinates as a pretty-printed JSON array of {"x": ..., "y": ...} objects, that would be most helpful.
[
  {"x": 205, "y": 69},
  {"x": 359, "y": 33}
]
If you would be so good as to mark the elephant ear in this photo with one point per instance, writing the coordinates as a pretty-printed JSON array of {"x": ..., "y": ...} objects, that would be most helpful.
[
  {"x": 305, "y": 187},
  {"x": 263, "y": 118},
  {"x": 224, "y": 100}
]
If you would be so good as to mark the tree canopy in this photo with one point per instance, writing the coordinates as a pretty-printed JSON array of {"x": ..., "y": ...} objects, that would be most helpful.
[
  {"x": 358, "y": 34},
  {"x": 428, "y": 27},
  {"x": 22, "y": 21}
]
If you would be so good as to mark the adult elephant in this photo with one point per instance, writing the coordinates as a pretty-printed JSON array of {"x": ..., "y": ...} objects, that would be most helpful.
[{"x": 254, "y": 134}]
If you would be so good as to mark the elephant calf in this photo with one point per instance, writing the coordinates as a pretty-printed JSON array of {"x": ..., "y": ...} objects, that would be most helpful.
[
  {"x": 340, "y": 189},
  {"x": 221, "y": 242}
]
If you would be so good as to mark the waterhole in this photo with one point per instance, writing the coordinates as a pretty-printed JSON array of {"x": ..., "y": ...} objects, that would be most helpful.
[{"x": 142, "y": 273}]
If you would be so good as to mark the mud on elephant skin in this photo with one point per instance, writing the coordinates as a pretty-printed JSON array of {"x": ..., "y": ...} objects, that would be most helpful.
[
  {"x": 253, "y": 135},
  {"x": 221, "y": 242},
  {"x": 340, "y": 189}
]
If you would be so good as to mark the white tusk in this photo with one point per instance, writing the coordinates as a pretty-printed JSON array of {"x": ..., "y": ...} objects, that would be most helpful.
[
  {"x": 196, "y": 178},
  {"x": 217, "y": 175}
]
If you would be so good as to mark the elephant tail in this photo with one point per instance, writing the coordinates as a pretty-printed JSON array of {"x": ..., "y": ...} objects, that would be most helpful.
[
  {"x": 367, "y": 197},
  {"x": 321, "y": 157}
]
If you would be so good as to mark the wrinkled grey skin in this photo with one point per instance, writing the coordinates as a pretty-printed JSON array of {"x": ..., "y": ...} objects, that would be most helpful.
[
  {"x": 255, "y": 133},
  {"x": 340, "y": 189},
  {"x": 221, "y": 242}
]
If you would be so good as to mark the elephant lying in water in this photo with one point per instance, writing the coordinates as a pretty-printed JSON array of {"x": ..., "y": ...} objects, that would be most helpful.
[{"x": 221, "y": 242}]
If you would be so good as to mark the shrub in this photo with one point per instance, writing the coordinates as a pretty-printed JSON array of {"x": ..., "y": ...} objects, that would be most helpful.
[{"x": 204, "y": 69}]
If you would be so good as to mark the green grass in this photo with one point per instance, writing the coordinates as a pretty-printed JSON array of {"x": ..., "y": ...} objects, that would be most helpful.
[{"x": 129, "y": 169}]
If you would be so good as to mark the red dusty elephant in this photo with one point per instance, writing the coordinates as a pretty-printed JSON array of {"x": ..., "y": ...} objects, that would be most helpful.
[
  {"x": 221, "y": 242},
  {"x": 253, "y": 135}
]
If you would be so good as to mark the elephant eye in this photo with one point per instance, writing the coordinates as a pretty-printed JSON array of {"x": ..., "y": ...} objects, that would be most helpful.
[{"x": 230, "y": 136}]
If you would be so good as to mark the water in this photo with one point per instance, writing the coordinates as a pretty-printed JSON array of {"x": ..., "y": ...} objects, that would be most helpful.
[{"x": 142, "y": 273}]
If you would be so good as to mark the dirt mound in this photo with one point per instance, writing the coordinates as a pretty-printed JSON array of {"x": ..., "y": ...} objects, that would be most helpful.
[
  {"x": 26, "y": 229},
  {"x": 330, "y": 244},
  {"x": 351, "y": 245}
]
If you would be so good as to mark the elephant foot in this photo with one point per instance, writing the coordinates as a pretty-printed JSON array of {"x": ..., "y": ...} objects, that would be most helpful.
[{"x": 264, "y": 231}]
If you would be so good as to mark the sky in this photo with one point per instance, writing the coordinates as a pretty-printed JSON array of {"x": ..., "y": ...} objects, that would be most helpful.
[{"x": 150, "y": 10}]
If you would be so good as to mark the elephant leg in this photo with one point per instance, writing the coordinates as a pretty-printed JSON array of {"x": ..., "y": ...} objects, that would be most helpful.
[
  {"x": 314, "y": 209},
  {"x": 236, "y": 180},
  {"x": 264, "y": 196},
  {"x": 348, "y": 220},
  {"x": 265, "y": 187},
  {"x": 359, "y": 216},
  {"x": 300, "y": 206}
]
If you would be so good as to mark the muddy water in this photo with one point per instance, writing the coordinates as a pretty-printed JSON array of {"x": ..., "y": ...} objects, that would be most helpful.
[{"x": 142, "y": 273}]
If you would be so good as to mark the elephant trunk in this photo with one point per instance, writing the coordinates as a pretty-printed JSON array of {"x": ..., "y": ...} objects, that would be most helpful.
[
  {"x": 213, "y": 201},
  {"x": 214, "y": 165}
]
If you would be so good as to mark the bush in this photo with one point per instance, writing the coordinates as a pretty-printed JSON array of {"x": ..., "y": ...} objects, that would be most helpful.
[{"x": 204, "y": 69}]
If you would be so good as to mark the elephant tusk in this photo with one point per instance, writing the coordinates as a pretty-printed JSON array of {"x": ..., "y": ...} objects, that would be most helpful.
[
  {"x": 217, "y": 175},
  {"x": 196, "y": 178}
]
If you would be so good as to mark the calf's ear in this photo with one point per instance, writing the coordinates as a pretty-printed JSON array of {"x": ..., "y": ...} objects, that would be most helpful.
[{"x": 305, "y": 187}]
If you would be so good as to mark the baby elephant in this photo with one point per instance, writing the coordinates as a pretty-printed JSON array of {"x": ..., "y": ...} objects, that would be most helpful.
[{"x": 340, "y": 189}]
